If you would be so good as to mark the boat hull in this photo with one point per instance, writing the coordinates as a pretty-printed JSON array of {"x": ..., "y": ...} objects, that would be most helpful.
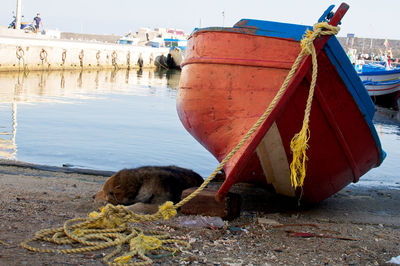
[
  {"x": 229, "y": 78},
  {"x": 382, "y": 88},
  {"x": 383, "y": 85},
  {"x": 388, "y": 100},
  {"x": 379, "y": 74}
]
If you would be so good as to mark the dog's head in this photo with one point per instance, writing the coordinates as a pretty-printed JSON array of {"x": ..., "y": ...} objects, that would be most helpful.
[{"x": 112, "y": 191}]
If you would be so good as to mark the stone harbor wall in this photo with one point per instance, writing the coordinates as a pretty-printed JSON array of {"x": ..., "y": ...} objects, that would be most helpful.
[
  {"x": 22, "y": 51},
  {"x": 28, "y": 51}
]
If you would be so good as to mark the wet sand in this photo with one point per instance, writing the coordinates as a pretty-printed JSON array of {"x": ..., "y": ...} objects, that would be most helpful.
[{"x": 357, "y": 226}]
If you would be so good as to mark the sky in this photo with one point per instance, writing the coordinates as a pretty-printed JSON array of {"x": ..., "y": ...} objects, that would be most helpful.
[{"x": 365, "y": 18}]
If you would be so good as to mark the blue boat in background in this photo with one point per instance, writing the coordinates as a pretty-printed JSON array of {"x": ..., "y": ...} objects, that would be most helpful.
[
  {"x": 382, "y": 84},
  {"x": 181, "y": 44},
  {"x": 129, "y": 39},
  {"x": 378, "y": 72},
  {"x": 170, "y": 43}
]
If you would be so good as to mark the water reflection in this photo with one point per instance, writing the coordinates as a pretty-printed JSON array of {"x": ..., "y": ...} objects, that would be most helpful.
[
  {"x": 66, "y": 87},
  {"x": 55, "y": 86},
  {"x": 387, "y": 118},
  {"x": 8, "y": 146},
  {"x": 387, "y": 124}
]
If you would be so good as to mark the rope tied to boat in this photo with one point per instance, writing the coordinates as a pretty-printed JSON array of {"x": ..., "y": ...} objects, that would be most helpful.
[
  {"x": 109, "y": 226},
  {"x": 299, "y": 143}
]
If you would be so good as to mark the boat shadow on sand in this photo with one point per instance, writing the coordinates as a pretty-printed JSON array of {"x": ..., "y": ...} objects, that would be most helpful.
[{"x": 354, "y": 204}]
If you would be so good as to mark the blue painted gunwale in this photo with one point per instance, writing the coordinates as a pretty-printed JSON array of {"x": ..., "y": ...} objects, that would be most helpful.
[
  {"x": 379, "y": 72},
  {"x": 381, "y": 83},
  {"x": 273, "y": 29}
]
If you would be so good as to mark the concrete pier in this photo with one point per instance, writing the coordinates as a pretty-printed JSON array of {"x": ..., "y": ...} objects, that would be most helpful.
[{"x": 28, "y": 51}]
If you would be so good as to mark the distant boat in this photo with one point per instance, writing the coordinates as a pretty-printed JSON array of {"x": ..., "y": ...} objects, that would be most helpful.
[
  {"x": 384, "y": 93},
  {"x": 129, "y": 39},
  {"x": 382, "y": 84},
  {"x": 166, "y": 42},
  {"x": 378, "y": 72},
  {"x": 180, "y": 43},
  {"x": 379, "y": 88},
  {"x": 231, "y": 75}
]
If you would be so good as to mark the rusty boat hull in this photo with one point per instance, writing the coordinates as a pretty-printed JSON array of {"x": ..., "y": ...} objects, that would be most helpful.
[{"x": 230, "y": 76}]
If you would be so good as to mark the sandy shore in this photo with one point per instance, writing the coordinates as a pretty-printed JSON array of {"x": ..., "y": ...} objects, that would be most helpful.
[{"x": 358, "y": 226}]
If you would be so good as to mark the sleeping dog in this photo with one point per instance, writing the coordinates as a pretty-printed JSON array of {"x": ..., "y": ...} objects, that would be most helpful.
[{"x": 147, "y": 187}]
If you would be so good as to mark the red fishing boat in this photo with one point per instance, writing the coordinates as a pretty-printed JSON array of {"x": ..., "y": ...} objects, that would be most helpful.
[{"x": 231, "y": 75}]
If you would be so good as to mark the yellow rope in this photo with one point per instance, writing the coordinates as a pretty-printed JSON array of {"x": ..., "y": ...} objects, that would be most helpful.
[
  {"x": 299, "y": 145},
  {"x": 88, "y": 233},
  {"x": 108, "y": 228}
]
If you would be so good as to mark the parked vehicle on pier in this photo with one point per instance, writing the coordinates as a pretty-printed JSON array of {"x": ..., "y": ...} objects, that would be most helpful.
[{"x": 27, "y": 26}]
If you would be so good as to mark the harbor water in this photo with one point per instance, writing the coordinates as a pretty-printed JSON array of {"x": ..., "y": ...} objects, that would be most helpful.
[
  {"x": 109, "y": 120},
  {"x": 100, "y": 120}
]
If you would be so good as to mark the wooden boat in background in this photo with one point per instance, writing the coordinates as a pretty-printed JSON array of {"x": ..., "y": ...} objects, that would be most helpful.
[
  {"x": 378, "y": 72},
  {"x": 382, "y": 84},
  {"x": 229, "y": 77}
]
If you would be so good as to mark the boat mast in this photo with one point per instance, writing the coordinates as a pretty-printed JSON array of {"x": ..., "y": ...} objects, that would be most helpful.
[{"x": 18, "y": 15}]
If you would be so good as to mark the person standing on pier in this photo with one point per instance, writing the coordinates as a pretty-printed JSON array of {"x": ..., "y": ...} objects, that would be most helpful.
[{"x": 37, "y": 22}]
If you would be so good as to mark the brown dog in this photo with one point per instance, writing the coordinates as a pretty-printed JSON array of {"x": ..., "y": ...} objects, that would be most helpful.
[{"x": 145, "y": 188}]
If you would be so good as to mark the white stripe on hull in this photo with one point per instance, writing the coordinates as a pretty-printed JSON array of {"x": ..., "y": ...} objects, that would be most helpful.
[
  {"x": 385, "y": 77},
  {"x": 381, "y": 89}
]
